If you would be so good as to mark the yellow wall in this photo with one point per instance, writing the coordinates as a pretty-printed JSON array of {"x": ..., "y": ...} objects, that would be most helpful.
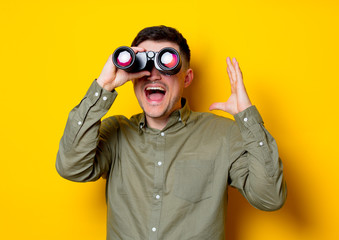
[{"x": 50, "y": 52}]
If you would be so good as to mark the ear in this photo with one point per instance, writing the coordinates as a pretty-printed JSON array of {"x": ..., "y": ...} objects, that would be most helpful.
[{"x": 188, "y": 77}]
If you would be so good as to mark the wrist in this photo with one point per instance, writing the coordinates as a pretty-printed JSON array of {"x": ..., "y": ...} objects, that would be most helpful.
[
  {"x": 244, "y": 107},
  {"x": 107, "y": 86}
]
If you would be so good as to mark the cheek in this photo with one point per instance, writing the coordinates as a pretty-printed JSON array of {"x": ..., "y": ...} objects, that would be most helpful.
[
  {"x": 137, "y": 88},
  {"x": 177, "y": 88},
  {"x": 136, "y": 84},
  {"x": 179, "y": 83}
]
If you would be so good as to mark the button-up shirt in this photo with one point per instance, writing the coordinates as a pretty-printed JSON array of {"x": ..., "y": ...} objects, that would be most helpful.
[{"x": 170, "y": 184}]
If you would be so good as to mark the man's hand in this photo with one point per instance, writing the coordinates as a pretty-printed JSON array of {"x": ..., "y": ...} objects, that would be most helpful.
[
  {"x": 111, "y": 77},
  {"x": 239, "y": 100}
]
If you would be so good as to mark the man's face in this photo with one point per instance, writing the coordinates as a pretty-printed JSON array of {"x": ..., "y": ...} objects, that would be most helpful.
[{"x": 159, "y": 94}]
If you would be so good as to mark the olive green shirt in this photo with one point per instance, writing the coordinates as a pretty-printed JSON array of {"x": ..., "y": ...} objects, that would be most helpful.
[{"x": 170, "y": 184}]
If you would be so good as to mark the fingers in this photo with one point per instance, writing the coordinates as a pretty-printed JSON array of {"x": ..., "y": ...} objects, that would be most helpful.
[
  {"x": 234, "y": 68},
  {"x": 139, "y": 75},
  {"x": 231, "y": 71},
  {"x": 138, "y": 49},
  {"x": 237, "y": 70},
  {"x": 234, "y": 73}
]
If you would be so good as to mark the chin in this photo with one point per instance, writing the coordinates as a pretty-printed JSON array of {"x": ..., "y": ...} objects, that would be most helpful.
[{"x": 154, "y": 113}]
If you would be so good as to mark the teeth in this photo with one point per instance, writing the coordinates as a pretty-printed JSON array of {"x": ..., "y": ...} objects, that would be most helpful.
[{"x": 155, "y": 89}]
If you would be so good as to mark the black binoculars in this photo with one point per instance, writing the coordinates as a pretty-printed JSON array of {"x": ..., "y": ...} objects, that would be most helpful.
[{"x": 167, "y": 60}]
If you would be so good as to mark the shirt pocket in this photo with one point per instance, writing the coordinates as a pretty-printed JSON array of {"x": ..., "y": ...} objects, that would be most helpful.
[{"x": 193, "y": 178}]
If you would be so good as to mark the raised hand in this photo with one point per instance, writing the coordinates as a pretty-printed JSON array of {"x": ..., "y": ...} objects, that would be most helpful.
[
  {"x": 111, "y": 77},
  {"x": 239, "y": 100}
]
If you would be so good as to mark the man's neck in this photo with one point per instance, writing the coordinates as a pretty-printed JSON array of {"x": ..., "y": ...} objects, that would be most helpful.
[{"x": 157, "y": 123}]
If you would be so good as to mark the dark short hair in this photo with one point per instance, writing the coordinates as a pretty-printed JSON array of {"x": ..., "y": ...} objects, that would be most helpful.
[{"x": 164, "y": 33}]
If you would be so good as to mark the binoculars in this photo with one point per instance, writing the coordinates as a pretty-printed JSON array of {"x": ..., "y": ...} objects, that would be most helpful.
[{"x": 167, "y": 60}]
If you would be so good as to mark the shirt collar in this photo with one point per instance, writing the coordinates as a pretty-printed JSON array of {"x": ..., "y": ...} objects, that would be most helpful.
[{"x": 180, "y": 115}]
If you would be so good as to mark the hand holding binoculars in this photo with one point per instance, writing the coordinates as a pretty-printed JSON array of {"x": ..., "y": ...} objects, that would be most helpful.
[{"x": 167, "y": 60}]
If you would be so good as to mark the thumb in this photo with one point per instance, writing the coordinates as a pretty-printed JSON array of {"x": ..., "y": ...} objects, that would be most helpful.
[{"x": 217, "y": 106}]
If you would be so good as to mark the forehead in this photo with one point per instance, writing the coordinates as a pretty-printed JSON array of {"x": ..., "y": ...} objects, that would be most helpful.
[{"x": 156, "y": 46}]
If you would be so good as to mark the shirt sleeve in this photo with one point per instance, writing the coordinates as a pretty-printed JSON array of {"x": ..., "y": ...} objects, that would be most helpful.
[
  {"x": 83, "y": 152},
  {"x": 256, "y": 169}
]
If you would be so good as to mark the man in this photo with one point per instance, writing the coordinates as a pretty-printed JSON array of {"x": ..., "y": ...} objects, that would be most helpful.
[{"x": 168, "y": 168}]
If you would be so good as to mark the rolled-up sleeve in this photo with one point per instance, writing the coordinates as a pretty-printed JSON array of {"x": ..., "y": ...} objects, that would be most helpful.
[
  {"x": 83, "y": 152},
  {"x": 256, "y": 169}
]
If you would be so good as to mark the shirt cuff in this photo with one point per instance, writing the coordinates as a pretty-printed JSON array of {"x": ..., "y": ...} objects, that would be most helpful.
[
  {"x": 248, "y": 118},
  {"x": 100, "y": 96}
]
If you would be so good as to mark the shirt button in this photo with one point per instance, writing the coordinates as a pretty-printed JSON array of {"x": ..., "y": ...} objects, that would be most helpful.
[
  {"x": 104, "y": 98},
  {"x": 157, "y": 196},
  {"x": 154, "y": 229},
  {"x": 96, "y": 94},
  {"x": 245, "y": 119},
  {"x": 162, "y": 134},
  {"x": 261, "y": 143},
  {"x": 159, "y": 163},
  {"x": 79, "y": 123}
]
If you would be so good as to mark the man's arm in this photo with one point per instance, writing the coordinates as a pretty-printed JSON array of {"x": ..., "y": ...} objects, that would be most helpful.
[
  {"x": 84, "y": 153},
  {"x": 256, "y": 169}
]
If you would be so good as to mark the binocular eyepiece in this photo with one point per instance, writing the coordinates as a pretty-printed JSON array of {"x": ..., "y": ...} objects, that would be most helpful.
[{"x": 167, "y": 60}]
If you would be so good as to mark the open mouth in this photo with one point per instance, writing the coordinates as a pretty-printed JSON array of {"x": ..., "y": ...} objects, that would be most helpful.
[{"x": 155, "y": 94}]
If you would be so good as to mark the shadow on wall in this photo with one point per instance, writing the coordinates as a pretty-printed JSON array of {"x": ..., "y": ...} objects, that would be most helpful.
[
  {"x": 198, "y": 99},
  {"x": 293, "y": 213}
]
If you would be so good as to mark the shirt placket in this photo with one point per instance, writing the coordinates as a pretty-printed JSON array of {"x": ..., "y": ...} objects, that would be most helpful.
[{"x": 158, "y": 186}]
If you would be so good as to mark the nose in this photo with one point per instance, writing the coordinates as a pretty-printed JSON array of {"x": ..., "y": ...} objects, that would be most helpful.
[{"x": 155, "y": 74}]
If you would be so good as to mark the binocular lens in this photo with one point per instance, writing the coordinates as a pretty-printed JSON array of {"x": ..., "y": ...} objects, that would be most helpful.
[
  {"x": 124, "y": 58},
  {"x": 169, "y": 59}
]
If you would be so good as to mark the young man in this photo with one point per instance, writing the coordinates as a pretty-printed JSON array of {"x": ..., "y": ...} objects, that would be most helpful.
[{"x": 168, "y": 168}]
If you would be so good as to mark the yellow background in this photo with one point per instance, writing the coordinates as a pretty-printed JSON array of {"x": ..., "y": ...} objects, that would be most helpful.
[{"x": 52, "y": 50}]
